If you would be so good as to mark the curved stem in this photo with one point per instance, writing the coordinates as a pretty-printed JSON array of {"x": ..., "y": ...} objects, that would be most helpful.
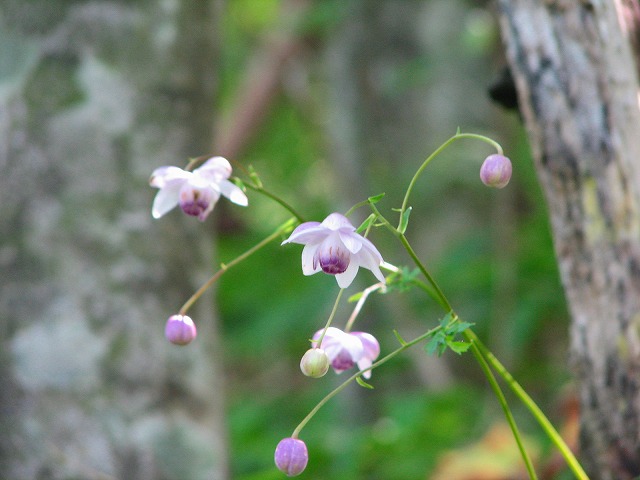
[
  {"x": 477, "y": 353},
  {"x": 542, "y": 419},
  {"x": 283, "y": 229},
  {"x": 363, "y": 298},
  {"x": 436, "y": 152},
  {"x": 331, "y": 315},
  {"x": 277, "y": 199},
  {"x": 544, "y": 422},
  {"x": 442, "y": 300}
]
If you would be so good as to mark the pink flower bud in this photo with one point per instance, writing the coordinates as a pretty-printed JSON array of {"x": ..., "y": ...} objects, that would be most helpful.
[
  {"x": 496, "y": 171},
  {"x": 314, "y": 363},
  {"x": 291, "y": 456},
  {"x": 180, "y": 330}
]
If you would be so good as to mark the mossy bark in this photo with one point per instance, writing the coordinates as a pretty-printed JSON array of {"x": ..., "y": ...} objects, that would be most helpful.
[
  {"x": 93, "y": 96},
  {"x": 577, "y": 83}
]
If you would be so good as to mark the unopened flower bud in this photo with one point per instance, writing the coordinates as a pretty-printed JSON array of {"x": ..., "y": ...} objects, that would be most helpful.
[
  {"x": 314, "y": 363},
  {"x": 496, "y": 171},
  {"x": 291, "y": 456},
  {"x": 180, "y": 330}
]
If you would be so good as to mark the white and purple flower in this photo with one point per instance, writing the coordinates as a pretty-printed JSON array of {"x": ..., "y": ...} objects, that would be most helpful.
[
  {"x": 348, "y": 349},
  {"x": 196, "y": 192},
  {"x": 334, "y": 247}
]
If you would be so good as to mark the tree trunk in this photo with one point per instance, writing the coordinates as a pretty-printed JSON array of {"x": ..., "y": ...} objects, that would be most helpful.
[
  {"x": 94, "y": 96},
  {"x": 577, "y": 84}
]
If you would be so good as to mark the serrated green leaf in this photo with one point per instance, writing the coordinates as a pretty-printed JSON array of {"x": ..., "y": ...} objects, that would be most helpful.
[
  {"x": 376, "y": 198},
  {"x": 437, "y": 343},
  {"x": 457, "y": 327},
  {"x": 404, "y": 222},
  {"x": 458, "y": 347},
  {"x": 364, "y": 384},
  {"x": 446, "y": 320}
]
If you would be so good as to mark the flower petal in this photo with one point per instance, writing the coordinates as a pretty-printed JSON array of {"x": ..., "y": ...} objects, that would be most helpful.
[
  {"x": 166, "y": 198},
  {"x": 306, "y": 233},
  {"x": 363, "y": 363},
  {"x": 233, "y": 193},
  {"x": 309, "y": 266},
  {"x": 215, "y": 169},
  {"x": 351, "y": 240},
  {"x": 161, "y": 176},
  {"x": 369, "y": 257},
  {"x": 345, "y": 279},
  {"x": 370, "y": 344},
  {"x": 337, "y": 221}
]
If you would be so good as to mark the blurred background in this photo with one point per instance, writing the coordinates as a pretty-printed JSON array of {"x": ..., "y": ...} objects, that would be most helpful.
[{"x": 331, "y": 102}]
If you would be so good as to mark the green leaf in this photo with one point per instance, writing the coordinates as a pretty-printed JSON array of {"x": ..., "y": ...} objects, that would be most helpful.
[
  {"x": 458, "y": 327},
  {"x": 446, "y": 320},
  {"x": 355, "y": 297},
  {"x": 368, "y": 221},
  {"x": 364, "y": 384},
  {"x": 437, "y": 344},
  {"x": 253, "y": 175},
  {"x": 404, "y": 222},
  {"x": 400, "y": 339},
  {"x": 458, "y": 347},
  {"x": 376, "y": 198}
]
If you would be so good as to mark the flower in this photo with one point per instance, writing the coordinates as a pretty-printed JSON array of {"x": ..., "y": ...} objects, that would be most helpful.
[
  {"x": 180, "y": 330},
  {"x": 347, "y": 349},
  {"x": 291, "y": 456},
  {"x": 196, "y": 192},
  {"x": 334, "y": 247},
  {"x": 314, "y": 363},
  {"x": 496, "y": 171}
]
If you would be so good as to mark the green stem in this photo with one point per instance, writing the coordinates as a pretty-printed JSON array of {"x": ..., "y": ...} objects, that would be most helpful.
[
  {"x": 546, "y": 425},
  {"x": 283, "y": 229},
  {"x": 442, "y": 300},
  {"x": 436, "y": 152},
  {"x": 277, "y": 199},
  {"x": 331, "y": 315},
  {"x": 341, "y": 387},
  {"x": 542, "y": 419},
  {"x": 503, "y": 403}
]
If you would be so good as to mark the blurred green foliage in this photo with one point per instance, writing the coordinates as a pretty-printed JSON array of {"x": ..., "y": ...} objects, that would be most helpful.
[{"x": 491, "y": 252}]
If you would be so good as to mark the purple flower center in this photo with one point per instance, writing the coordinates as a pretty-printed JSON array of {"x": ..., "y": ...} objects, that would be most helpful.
[
  {"x": 342, "y": 361},
  {"x": 332, "y": 260},
  {"x": 194, "y": 208},
  {"x": 195, "y": 201}
]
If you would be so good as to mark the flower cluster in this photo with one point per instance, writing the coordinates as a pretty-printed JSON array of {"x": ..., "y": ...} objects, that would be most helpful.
[
  {"x": 344, "y": 350},
  {"x": 332, "y": 246}
]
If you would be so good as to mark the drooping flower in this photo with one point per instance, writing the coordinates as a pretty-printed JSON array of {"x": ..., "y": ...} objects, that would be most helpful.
[
  {"x": 314, "y": 363},
  {"x": 196, "y": 192},
  {"x": 348, "y": 349},
  {"x": 291, "y": 456},
  {"x": 180, "y": 330},
  {"x": 334, "y": 247},
  {"x": 496, "y": 171}
]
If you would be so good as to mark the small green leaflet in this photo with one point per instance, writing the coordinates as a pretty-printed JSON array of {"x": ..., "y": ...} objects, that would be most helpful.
[
  {"x": 404, "y": 221},
  {"x": 362, "y": 383},
  {"x": 376, "y": 198},
  {"x": 368, "y": 221}
]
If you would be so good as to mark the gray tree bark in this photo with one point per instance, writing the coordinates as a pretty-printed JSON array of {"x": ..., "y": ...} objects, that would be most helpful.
[
  {"x": 93, "y": 96},
  {"x": 577, "y": 84}
]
